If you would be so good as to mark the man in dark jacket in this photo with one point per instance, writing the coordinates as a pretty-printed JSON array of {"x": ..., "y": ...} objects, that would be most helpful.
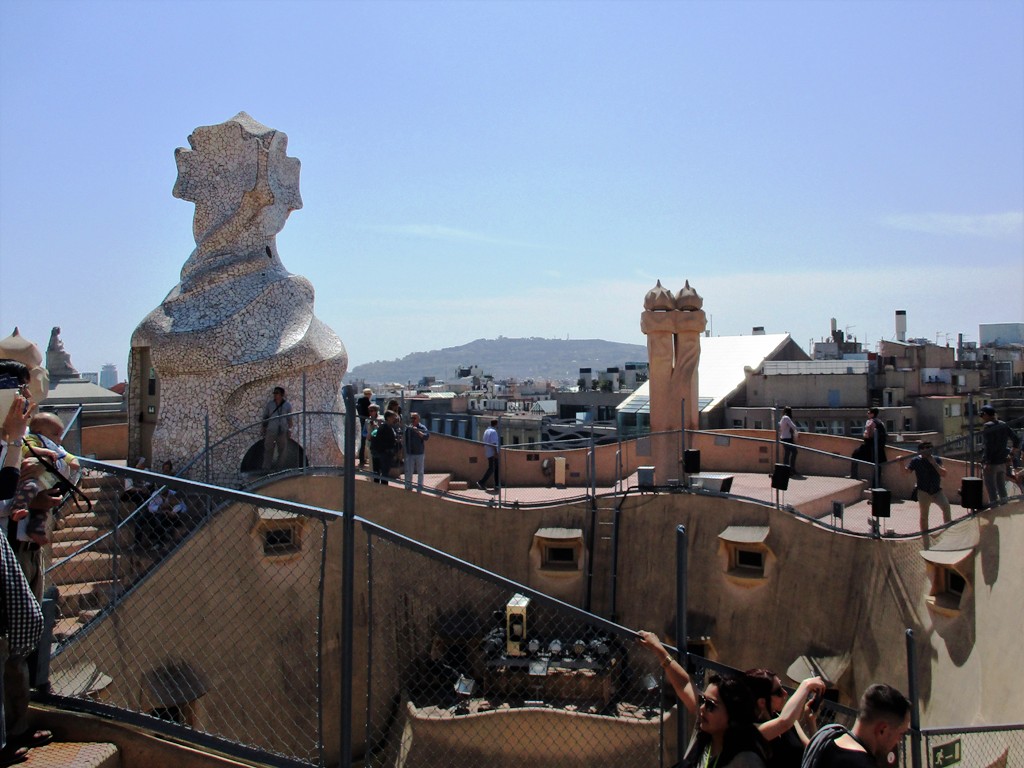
[
  {"x": 996, "y": 438},
  {"x": 383, "y": 444}
]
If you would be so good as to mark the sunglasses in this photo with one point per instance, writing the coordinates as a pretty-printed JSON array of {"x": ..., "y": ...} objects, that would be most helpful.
[
  {"x": 778, "y": 692},
  {"x": 709, "y": 704},
  {"x": 11, "y": 382}
]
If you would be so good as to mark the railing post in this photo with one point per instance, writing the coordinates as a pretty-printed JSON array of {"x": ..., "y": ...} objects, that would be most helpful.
[
  {"x": 593, "y": 466},
  {"x": 206, "y": 451},
  {"x": 970, "y": 430},
  {"x": 778, "y": 434},
  {"x": 682, "y": 655},
  {"x": 618, "y": 465},
  {"x": 347, "y": 575},
  {"x": 915, "y": 712},
  {"x": 79, "y": 419},
  {"x": 877, "y": 466},
  {"x": 305, "y": 447},
  {"x": 681, "y": 467}
]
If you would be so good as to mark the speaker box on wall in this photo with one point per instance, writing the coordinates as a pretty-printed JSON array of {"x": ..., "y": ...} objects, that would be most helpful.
[
  {"x": 881, "y": 501},
  {"x": 971, "y": 492},
  {"x": 780, "y": 477},
  {"x": 691, "y": 461}
]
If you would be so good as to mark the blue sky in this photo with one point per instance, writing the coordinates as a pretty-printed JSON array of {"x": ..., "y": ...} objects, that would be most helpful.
[{"x": 478, "y": 169}]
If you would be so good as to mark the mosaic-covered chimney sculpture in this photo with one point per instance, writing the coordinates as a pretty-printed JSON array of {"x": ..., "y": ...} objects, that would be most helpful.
[
  {"x": 673, "y": 326},
  {"x": 238, "y": 324}
]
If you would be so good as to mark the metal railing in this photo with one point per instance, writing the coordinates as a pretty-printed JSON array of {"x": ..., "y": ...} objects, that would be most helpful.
[{"x": 451, "y": 664}]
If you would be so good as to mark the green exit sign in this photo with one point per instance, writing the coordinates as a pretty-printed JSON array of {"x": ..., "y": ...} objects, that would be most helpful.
[{"x": 946, "y": 754}]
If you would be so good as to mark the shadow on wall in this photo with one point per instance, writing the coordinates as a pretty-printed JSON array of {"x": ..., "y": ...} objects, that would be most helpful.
[{"x": 294, "y": 458}]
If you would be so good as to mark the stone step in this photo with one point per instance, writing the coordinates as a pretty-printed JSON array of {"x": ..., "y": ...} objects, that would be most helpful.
[
  {"x": 75, "y": 598},
  {"x": 97, "y": 518},
  {"x": 458, "y": 485},
  {"x": 101, "y": 480},
  {"x": 87, "y": 566},
  {"x": 80, "y": 533},
  {"x": 62, "y": 549},
  {"x": 61, "y": 754},
  {"x": 65, "y": 628}
]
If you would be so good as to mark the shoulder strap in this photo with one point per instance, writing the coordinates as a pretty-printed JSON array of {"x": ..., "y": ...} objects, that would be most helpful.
[
  {"x": 70, "y": 488},
  {"x": 819, "y": 743}
]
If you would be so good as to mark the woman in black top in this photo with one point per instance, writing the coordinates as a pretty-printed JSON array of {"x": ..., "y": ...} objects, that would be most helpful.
[
  {"x": 726, "y": 736},
  {"x": 785, "y": 748}
]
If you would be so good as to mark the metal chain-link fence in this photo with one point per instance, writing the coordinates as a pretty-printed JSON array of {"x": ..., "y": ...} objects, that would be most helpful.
[
  {"x": 488, "y": 672},
  {"x": 205, "y": 613},
  {"x": 198, "y": 610},
  {"x": 969, "y": 747}
]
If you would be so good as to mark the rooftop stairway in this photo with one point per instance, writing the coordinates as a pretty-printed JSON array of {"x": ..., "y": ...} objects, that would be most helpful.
[
  {"x": 74, "y": 753},
  {"x": 86, "y": 583}
]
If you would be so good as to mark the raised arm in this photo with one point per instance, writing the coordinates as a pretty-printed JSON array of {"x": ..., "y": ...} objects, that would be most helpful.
[
  {"x": 674, "y": 672},
  {"x": 794, "y": 707}
]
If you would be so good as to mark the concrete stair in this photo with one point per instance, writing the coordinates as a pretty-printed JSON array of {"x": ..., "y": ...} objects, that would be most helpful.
[
  {"x": 80, "y": 533},
  {"x": 61, "y": 754},
  {"x": 85, "y": 566},
  {"x": 85, "y": 581},
  {"x": 75, "y": 598}
]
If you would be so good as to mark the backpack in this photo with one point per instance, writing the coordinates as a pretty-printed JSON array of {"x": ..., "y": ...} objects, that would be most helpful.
[{"x": 819, "y": 743}]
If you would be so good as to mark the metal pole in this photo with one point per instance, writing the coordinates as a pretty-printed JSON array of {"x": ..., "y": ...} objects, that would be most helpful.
[
  {"x": 970, "y": 430},
  {"x": 347, "y": 574},
  {"x": 79, "y": 418},
  {"x": 682, "y": 655},
  {"x": 877, "y": 468},
  {"x": 915, "y": 712},
  {"x": 682, "y": 442},
  {"x": 778, "y": 433},
  {"x": 593, "y": 466},
  {"x": 206, "y": 441},
  {"x": 305, "y": 446}
]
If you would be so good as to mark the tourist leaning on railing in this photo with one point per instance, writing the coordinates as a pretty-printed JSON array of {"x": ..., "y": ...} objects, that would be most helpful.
[{"x": 735, "y": 692}]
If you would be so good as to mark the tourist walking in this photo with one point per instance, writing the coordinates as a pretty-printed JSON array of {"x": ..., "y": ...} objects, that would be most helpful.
[
  {"x": 492, "y": 449},
  {"x": 996, "y": 438},
  {"x": 363, "y": 411},
  {"x": 929, "y": 472},
  {"x": 873, "y": 447},
  {"x": 787, "y": 434},
  {"x": 414, "y": 443}
]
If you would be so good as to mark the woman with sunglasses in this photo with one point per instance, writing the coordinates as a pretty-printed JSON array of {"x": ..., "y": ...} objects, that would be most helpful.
[
  {"x": 786, "y": 741},
  {"x": 726, "y": 735},
  {"x": 687, "y": 692}
]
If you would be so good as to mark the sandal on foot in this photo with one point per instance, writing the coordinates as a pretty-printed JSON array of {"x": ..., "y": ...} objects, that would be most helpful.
[
  {"x": 32, "y": 739},
  {"x": 12, "y": 755}
]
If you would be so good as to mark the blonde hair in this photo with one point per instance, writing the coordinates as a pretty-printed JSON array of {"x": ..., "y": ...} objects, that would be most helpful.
[{"x": 46, "y": 419}]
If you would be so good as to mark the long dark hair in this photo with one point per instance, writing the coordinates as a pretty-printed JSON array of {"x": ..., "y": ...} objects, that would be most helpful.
[
  {"x": 761, "y": 682},
  {"x": 741, "y": 734}
]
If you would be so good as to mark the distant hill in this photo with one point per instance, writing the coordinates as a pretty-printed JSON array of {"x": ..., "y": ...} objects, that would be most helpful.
[{"x": 532, "y": 358}]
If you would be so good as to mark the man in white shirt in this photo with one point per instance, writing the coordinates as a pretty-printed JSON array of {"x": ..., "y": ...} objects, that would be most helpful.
[{"x": 492, "y": 447}]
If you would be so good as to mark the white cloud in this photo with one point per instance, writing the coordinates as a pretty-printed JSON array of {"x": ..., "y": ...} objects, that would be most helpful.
[{"x": 993, "y": 225}]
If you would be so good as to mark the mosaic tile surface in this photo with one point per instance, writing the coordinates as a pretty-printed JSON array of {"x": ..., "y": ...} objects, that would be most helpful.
[{"x": 238, "y": 323}]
